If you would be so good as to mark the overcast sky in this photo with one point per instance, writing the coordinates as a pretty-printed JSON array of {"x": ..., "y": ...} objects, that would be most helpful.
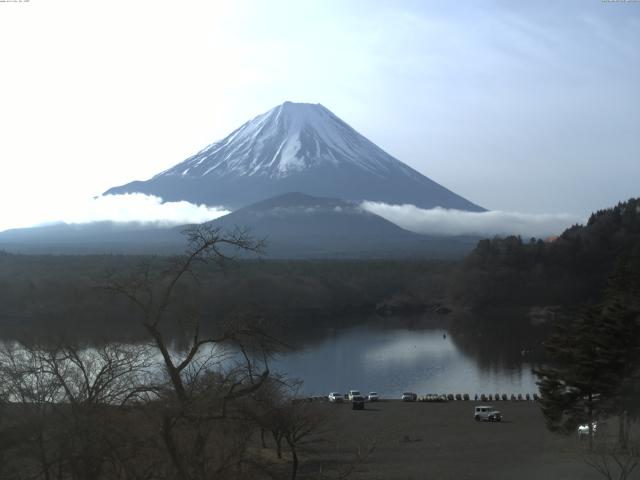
[{"x": 530, "y": 107}]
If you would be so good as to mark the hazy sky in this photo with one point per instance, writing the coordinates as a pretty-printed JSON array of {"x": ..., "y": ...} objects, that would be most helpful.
[{"x": 519, "y": 106}]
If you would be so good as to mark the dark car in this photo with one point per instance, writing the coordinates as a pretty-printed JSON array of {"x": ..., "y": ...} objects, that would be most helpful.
[{"x": 357, "y": 402}]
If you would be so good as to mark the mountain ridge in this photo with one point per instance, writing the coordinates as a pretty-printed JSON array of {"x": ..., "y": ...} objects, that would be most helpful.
[
  {"x": 294, "y": 224},
  {"x": 297, "y": 225}
]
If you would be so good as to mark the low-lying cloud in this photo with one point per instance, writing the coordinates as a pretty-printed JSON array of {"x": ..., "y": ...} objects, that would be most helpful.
[
  {"x": 132, "y": 207},
  {"x": 441, "y": 221}
]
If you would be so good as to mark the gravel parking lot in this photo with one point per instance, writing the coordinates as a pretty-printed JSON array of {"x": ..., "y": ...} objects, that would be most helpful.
[{"x": 442, "y": 441}]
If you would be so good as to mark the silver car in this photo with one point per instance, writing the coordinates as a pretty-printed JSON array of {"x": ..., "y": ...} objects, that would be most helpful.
[{"x": 486, "y": 413}]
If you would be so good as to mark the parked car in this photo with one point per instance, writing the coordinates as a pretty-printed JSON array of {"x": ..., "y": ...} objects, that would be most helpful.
[
  {"x": 357, "y": 402},
  {"x": 409, "y": 397},
  {"x": 353, "y": 393},
  {"x": 486, "y": 413},
  {"x": 373, "y": 396},
  {"x": 583, "y": 430},
  {"x": 336, "y": 397}
]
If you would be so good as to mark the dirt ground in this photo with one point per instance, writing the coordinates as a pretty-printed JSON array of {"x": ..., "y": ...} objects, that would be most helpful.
[{"x": 438, "y": 441}]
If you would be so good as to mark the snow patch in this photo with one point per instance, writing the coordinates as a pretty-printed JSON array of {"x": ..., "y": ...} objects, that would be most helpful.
[{"x": 273, "y": 144}]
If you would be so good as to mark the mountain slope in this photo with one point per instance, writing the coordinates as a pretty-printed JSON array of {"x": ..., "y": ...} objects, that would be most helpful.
[
  {"x": 295, "y": 226},
  {"x": 295, "y": 147},
  {"x": 93, "y": 238}
]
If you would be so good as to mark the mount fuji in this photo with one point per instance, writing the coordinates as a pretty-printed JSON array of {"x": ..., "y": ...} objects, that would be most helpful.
[{"x": 295, "y": 147}]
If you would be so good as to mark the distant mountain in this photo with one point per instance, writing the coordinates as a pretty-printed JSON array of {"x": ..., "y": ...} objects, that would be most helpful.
[
  {"x": 295, "y": 225},
  {"x": 93, "y": 238},
  {"x": 295, "y": 147}
]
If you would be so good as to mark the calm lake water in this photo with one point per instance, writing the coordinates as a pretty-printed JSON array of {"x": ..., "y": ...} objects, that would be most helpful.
[
  {"x": 391, "y": 358},
  {"x": 391, "y": 361}
]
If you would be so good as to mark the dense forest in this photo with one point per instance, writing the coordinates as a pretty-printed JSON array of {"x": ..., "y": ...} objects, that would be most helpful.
[
  {"x": 64, "y": 293},
  {"x": 540, "y": 278},
  {"x": 503, "y": 281}
]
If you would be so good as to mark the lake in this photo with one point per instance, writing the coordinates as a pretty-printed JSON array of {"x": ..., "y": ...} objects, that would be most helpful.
[
  {"x": 392, "y": 356},
  {"x": 391, "y": 361}
]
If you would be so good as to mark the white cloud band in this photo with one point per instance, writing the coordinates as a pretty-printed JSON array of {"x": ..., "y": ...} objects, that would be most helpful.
[
  {"x": 133, "y": 207},
  {"x": 440, "y": 221}
]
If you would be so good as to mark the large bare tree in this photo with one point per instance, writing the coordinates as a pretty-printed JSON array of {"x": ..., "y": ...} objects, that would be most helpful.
[{"x": 201, "y": 432}]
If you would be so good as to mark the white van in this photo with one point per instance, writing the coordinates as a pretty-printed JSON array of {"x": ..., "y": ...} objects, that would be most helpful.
[{"x": 354, "y": 393}]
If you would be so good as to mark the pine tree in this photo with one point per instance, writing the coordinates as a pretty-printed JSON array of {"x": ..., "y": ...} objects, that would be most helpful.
[
  {"x": 594, "y": 369},
  {"x": 620, "y": 340},
  {"x": 575, "y": 388}
]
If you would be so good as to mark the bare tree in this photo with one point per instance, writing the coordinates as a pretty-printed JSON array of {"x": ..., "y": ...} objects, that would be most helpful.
[
  {"x": 613, "y": 462},
  {"x": 198, "y": 400},
  {"x": 62, "y": 399},
  {"x": 188, "y": 406},
  {"x": 300, "y": 427},
  {"x": 28, "y": 394},
  {"x": 154, "y": 293}
]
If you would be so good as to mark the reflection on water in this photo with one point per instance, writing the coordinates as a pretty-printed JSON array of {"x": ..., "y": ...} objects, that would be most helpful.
[{"x": 391, "y": 361}]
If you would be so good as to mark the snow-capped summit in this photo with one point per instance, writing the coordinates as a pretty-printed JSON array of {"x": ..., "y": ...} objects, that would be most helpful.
[
  {"x": 295, "y": 147},
  {"x": 285, "y": 140}
]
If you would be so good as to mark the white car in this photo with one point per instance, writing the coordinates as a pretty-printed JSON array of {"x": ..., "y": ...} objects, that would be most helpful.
[
  {"x": 336, "y": 397},
  {"x": 486, "y": 413},
  {"x": 409, "y": 397},
  {"x": 583, "y": 430},
  {"x": 354, "y": 393},
  {"x": 373, "y": 396}
]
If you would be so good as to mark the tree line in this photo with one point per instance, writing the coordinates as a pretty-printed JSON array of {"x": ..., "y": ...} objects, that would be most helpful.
[
  {"x": 569, "y": 270},
  {"x": 41, "y": 293}
]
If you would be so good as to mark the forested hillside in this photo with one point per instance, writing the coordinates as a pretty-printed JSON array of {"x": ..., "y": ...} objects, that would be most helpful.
[
  {"x": 568, "y": 270},
  {"x": 63, "y": 293}
]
